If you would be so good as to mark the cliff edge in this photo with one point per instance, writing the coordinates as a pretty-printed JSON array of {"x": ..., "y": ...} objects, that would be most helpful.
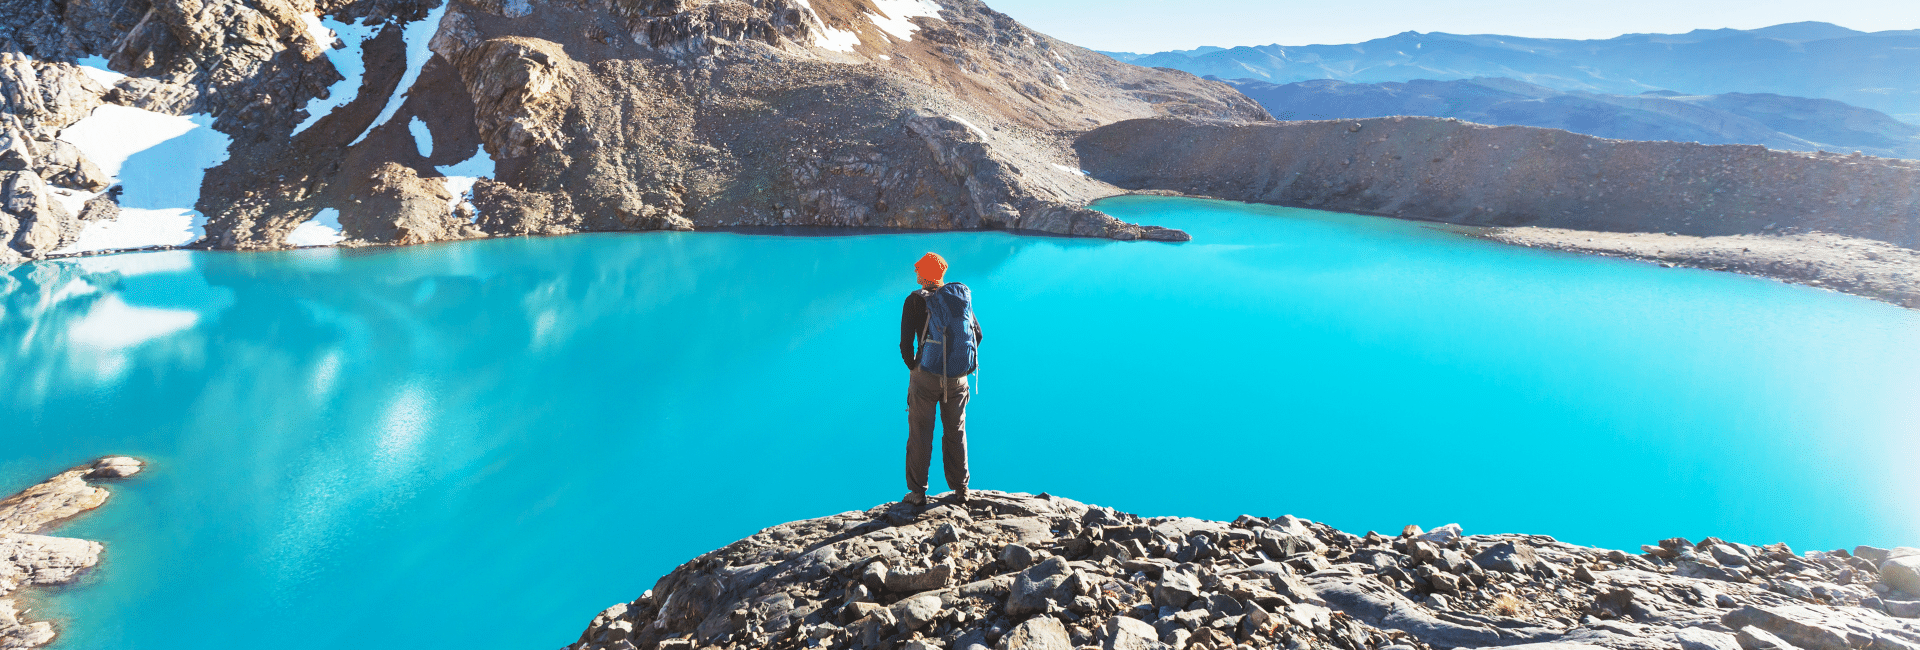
[{"x": 1014, "y": 572}]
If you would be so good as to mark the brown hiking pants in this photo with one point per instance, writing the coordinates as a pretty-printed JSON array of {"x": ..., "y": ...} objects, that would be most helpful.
[{"x": 925, "y": 391}]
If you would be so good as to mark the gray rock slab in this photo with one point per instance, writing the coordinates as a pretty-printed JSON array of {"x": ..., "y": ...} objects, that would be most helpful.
[{"x": 1037, "y": 633}]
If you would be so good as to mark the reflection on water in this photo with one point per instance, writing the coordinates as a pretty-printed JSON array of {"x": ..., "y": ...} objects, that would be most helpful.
[{"x": 416, "y": 444}]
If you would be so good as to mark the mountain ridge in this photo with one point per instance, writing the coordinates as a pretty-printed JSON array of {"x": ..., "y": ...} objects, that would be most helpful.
[
  {"x": 476, "y": 118},
  {"x": 1774, "y": 121},
  {"x": 1849, "y": 66}
]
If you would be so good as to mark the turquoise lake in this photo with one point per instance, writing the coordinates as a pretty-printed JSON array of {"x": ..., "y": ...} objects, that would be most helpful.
[{"x": 483, "y": 444}]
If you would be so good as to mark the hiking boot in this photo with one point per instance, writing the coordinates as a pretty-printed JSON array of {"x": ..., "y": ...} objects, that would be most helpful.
[
  {"x": 960, "y": 495},
  {"x": 915, "y": 498}
]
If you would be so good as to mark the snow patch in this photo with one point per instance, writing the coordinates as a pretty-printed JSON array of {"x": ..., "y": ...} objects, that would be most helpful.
[
  {"x": 828, "y": 38},
  {"x": 422, "y": 137},
  {"x": 111, "y": 134},
  {"x": 139, "y": 229},
  {"x": 1069, "y": 170},
  {"x": 112, "y": 324},
  {"x": 346, "y": 60},
  {"x": 72, "y": 200},
  {"x": 159, "y": 161},
  {"x": 976, "y": 130},
  {"x": 838, "y": 40},
  {"x": 322, "y": 230},
  {"x": 318, "y": 30},
  {"x": 96, "y": 67},
  {"x": 461, "y": 176},
  {"x": 417, "y": 35},
  {"x": 895, "y": 13}
]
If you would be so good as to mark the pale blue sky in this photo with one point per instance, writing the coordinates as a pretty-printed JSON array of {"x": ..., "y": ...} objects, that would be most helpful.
[{"x": 1152, "y": 26}]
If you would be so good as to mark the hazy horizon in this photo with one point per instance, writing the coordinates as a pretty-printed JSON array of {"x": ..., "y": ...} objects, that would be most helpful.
[{"x": 1143, "y": 26}]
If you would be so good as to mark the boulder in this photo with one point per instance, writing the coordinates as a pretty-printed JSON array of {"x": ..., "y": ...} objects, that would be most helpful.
[
  {"x": 917, "y": 580},
  {"x": 1881, "y": 555},
  {"x": 1903, "y": 573},
  {"x": 1278, "y": 543},
  {"x": 1037, "y": 633},
  {"x": 1753, "y": 638},
  {"x": 1222, "y": 605},
  {"x": 1176, "y": 589},
  {"x": 1510, "y": 557},
  {"x": 1047, "y": 582},
  {"x": 1016, "y": 557},
  {"x": 915, "y": 613},
  {"x": 1125, "y": 633},
  {"x": 1443, "y": 536},
  {"x": 1207, "y": 638},
  {"x": 1726, "y": 556},
  {"x": 1901, "y": 608},
  {"x": 1803, "y": 627}
]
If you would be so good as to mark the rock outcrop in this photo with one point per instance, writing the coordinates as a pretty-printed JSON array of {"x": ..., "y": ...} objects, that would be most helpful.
[
  {"x": 1512, "y": 176},
  {"x": 410, "y": 121},
  {"x": 28, "y": 559},
  {"x": 1013, "y": 572}
]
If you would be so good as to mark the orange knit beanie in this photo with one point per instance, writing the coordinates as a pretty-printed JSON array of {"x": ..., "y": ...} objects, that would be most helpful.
[{"x": 931, "y": 268}]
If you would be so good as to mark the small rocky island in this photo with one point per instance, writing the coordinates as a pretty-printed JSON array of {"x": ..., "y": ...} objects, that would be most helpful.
[
  {"x": 28, "y": 559},
  {"x": 1020, "y": 572}
]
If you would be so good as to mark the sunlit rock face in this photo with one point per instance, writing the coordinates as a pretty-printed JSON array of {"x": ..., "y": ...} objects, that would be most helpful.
[{"x": 290, "y": 123}]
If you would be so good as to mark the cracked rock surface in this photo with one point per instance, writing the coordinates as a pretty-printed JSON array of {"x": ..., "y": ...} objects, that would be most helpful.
[{"x": 1014, "y": 571}]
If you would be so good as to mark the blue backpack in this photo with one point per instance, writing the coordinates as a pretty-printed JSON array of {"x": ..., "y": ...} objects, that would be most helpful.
[{"x": 947, "y": 347}]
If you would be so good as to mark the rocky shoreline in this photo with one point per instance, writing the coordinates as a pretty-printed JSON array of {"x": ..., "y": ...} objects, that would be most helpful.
[
  {"x": 1862, "y": 267},
  {"x": 1021, "y": 572},
  {"x": 28, "y": 559}
]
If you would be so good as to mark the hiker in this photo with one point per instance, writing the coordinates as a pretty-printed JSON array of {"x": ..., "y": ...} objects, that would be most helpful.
[{"x": 939, "y": 318}]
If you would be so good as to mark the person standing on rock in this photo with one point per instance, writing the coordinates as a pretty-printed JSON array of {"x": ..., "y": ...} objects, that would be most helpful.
[{"x": 939, "y": 320}]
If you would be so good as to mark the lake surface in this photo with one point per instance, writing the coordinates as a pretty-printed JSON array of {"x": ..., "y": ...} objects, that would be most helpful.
[{"x": 483, "y": 444}]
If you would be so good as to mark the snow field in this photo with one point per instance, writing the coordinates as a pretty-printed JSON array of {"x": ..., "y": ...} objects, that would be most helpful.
[{"x": 159, "y": 161}]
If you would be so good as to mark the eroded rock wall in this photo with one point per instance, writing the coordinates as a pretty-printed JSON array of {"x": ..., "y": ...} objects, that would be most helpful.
[{"x": 1458, "y": 172}]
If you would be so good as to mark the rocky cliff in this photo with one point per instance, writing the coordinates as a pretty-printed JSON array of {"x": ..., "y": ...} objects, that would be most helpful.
[
  {"x": 1510, "y": 176},
  {"x": 28, "y": 559},
  {"x": 406, "y": 121},
  {"x": 1019, "y": 572}
]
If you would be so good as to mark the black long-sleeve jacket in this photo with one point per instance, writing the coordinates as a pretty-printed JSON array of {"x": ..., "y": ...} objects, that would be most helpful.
[{"x": 913, "y": 320}]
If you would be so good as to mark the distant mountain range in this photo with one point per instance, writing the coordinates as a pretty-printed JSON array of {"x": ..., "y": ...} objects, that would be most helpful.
[
  {"x": 1775, "y": 121},
  {"x": 1878, "y": 70}
]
